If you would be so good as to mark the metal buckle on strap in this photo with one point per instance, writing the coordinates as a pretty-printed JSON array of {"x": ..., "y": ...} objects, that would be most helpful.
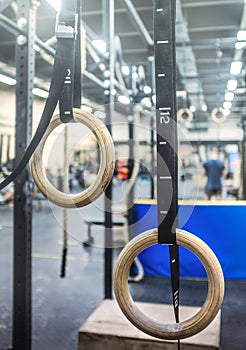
[{"x": 64, "y": 31}]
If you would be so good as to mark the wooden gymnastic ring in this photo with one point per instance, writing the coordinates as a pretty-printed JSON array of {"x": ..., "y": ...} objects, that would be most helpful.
[
  {"x": 105, "y": 173},
  {"x": 154, "y": 328},
  {"x": 214, "y": 116},
  {"x": 183, "y": 111}
]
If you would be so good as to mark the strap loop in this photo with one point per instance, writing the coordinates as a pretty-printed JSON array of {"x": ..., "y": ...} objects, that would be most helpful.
[
  {"x": 68, "y": 28},
  {"x": 65, "y": 31}
]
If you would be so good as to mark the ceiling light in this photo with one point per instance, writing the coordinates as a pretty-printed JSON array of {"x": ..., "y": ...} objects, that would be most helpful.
[
  {"x": 181, "y": 93},
  {"x": 204, "y": 108},
  {"x": 113, "y": 92},
  {"x": 7, "y": 80},
  {"x": 147, "y": 89},
  {"x": 154, "y": 99},
  {"x": 241, "y": 91},
  {"x": 227, "y": 105},
  {"x": 87, "y": 108},
  {"x": 240, "y": 45},
  {"x": 100, "y": 45},
  {"x": 192, "y": 108},
  {"x": 227, "y": 112},
  {"x": 236, "y": 67},
  {"x": 232, "y": 84},
  {"x": 100, "y": 114},
  {"x": 229, "y": 96},
  {"x": 40, "y": 92},
  {"x": 56, "y": 4},
  {"x": 124, "y": 99},
  {"x": 241, "y": 35},
  {"x": 125, "y": 70},
  {"x": 135, "y": 75},
  {"x": 145, "y": 102},
  {"x": 36, "y": 48}
]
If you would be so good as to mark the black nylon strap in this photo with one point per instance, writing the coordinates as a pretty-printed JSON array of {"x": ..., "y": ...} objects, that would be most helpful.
[
  {"x": 166, "y": 124},
  {"x": 67, "y": 27},
  {"x": 66, "y": 99},
  {"x": 59, "y": 72},
  {"x": 67, "y": 13},
  {"x": 77, "y": 76},
  {"x": 165, "y": 69}
]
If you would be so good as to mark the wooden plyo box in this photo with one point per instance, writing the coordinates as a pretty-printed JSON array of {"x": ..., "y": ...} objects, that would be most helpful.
[{"x": 108, "y": 329}]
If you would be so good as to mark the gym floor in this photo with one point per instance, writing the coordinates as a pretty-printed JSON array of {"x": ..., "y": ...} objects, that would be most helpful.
[{"x": 60, "y": 306}]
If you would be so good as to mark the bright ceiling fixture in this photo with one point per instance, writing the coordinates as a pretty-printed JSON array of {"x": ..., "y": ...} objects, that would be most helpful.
[
  {"x": 232, "y": 84},
  {"x": 147, "y": 89},
  {"x": 40, "y": 92},
  {"x": 241, "y": 35},
  {"x": 100, "y": 114},
  {"x": 227, "y": 112},
  {"x": 56, "y": 4},
  {"x": 7, "y": 80},
  {"x": 124, "y": 100},
  {"x": 236, "y": 67},
  {"x": 227, "y": 105},
  {"x": 36, "y": 48},
  {"x": 125, "y": 70},
  {"x": 193, "y": 108},
  {"x": 181, "y": 93},
  {"x": 135, "y": 75},
  {"x": 146, "y": 102},
  {"x": 204, "y": 108},
  {"x": 154, "y": 99},
  {"x": 100, "y": 45},
  {"x": 229, "y": 96},
  {"x": 240, "y": 45},
  {"x": 87, "y": 108}
]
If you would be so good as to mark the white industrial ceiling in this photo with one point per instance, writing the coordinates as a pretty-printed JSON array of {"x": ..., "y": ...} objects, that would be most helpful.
[{"x": 206, "y": 35}]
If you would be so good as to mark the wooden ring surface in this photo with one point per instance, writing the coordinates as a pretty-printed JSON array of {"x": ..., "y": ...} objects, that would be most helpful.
[
  {"x": 214, "y": 116},
  {"x": 157, "y": 329},
  {"x": 180, "y": 114},
  {"x": 106, "y": 169}
]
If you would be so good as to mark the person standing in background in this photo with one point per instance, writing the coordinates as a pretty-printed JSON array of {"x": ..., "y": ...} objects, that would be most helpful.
[{"x": 214, "y": 169}]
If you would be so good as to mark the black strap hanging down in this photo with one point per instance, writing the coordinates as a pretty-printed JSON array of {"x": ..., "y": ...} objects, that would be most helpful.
[
  {"x": 166, "y": 124},
  {"x": 78, "y": 74},
  {"x": 66, "y": 29}
]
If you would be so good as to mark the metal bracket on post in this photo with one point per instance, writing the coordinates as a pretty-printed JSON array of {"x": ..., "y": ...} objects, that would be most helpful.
[
  {"x": 22, "y": 280},
  {"x": 108, "y": 7}
]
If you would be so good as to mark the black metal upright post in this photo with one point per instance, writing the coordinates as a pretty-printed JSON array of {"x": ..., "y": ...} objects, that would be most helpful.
[
  {"x": 8, "y": 148},
  {"x": 108, "y": 10},
  {"x": 1, "y": 148},
  {"x": 132, "y": 160},
  {"x": 22, "y": 315}
]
